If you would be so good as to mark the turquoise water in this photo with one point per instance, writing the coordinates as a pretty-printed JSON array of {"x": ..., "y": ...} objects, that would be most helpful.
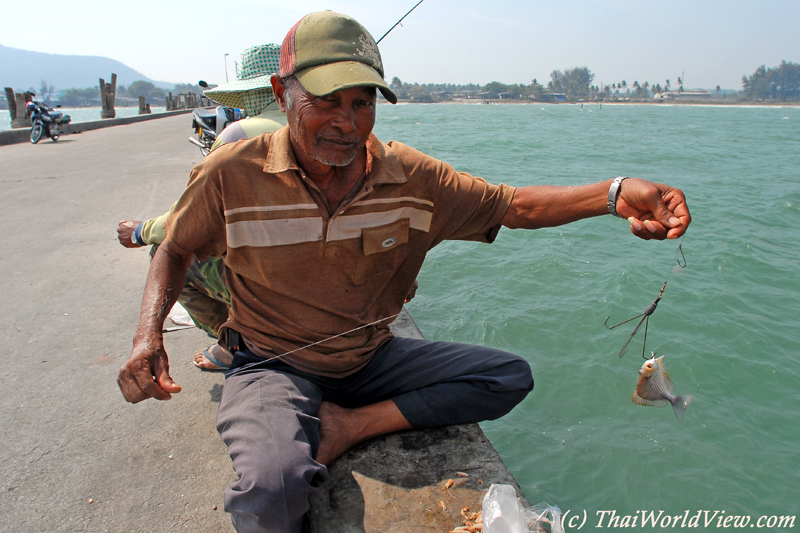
[
  {"x": 81, "y": 114},
  {"x": 728, "y": 324}
]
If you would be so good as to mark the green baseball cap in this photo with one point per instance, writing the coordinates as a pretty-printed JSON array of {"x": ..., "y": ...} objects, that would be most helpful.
[{"x": 328, "y": 52}]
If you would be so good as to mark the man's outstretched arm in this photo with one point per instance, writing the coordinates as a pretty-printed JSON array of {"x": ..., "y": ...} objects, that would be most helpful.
[
  {"x": 146, "y": 372},
  {"x": 655, "y": 211}
]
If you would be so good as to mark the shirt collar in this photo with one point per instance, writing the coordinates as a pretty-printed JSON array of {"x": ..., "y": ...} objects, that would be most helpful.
[{"x": 383, "y": 165}]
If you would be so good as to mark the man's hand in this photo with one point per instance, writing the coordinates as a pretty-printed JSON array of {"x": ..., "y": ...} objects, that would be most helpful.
[
  {"x": 654, "y": 211},
  {"x": 124, "y": 232},
  {"x": 412, "y": 292},
  {"x": 146, "y": 374}
]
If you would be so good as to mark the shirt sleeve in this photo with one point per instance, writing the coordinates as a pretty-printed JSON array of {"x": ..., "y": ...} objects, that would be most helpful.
[
  {"x": 153, "y": 231},
  {"x": 465, "y": 207},
  {"x": 473, "y": 209},
  {"x": 232, "y": 133},
  {"x": 197, "y": 221}
]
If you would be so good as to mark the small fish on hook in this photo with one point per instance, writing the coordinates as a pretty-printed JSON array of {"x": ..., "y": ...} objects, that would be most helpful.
[{"x": 655, "y": 388}]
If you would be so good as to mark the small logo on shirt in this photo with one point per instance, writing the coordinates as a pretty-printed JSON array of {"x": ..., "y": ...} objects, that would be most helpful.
[{"x": 388, "y": 243}]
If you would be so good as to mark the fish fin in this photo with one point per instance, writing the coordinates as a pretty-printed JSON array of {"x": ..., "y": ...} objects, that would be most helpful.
[
  {"x": 670, "y": 386},
  {"x": 638, "y": 400},
  {"x": 679, "y": 404}
]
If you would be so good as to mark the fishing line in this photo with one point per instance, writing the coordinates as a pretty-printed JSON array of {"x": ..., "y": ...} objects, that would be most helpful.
[
  {"x": 332, "y": 337},
  {"x": 154, "y": 418},
  {"x": 679, "y": 264},
  {"x": 440, "y": 300},
  {"x": 472, "y": 42}
]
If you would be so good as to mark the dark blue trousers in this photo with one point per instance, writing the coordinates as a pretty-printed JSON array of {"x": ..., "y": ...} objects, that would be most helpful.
[{"x": 267, "y": 416}]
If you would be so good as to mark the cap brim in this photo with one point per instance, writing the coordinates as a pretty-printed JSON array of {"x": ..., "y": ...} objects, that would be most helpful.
[{"x": 326, "y": 79}]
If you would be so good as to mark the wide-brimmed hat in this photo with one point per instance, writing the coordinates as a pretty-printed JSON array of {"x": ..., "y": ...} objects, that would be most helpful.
[
  {"x": 328, "y": 51},
  {"x": 252, "y": 87}
]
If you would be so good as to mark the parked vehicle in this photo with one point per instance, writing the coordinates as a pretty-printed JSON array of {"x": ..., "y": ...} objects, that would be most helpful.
[
  {"x": 208, "y": 123},
  {"x": 46, "y": 120}
]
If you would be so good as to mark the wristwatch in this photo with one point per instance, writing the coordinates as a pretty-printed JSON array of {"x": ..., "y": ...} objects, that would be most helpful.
[{"x": 613, "y": 194}]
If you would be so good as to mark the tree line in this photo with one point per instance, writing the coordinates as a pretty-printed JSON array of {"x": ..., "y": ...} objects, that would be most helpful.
[
  {"x": 775, "y": 84},
  {"x": 779, "y": 84}
]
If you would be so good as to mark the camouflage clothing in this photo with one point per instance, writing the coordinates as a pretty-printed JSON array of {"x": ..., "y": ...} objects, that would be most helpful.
[{"x": 205, "y": 296}]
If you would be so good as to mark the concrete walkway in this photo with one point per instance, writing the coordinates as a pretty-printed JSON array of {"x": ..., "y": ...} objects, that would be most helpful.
[{"x": 74, "y": 456}]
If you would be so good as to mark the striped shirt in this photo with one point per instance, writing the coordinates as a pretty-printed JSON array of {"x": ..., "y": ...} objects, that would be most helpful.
[{"x": 310, "y": 283}]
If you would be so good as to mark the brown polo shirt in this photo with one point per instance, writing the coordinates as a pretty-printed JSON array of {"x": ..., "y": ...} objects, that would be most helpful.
[{"x": 306, "y": 282}]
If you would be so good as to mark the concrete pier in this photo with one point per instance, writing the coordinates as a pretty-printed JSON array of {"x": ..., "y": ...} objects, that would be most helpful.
[
  {"x": 23, "y": 135},
  {"x": 74, "y": 456}
]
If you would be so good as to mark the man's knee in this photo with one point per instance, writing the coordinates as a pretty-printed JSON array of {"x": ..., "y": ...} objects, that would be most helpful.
[
  {"x": 510, "y": 383},
  {"x": 520, "y": 375},
  {"x": 266, "y": 421},
  {"x": 274, "y": 495}
]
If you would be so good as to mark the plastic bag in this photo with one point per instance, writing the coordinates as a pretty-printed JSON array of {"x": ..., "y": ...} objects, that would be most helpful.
[
  {"x": 503, "y": 513},
  {"x": 180, "y": 316},
  {"x": 544, "y": 516}
]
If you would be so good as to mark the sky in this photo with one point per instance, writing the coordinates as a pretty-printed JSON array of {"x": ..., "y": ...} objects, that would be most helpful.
[{"x": 709, "y": 43}]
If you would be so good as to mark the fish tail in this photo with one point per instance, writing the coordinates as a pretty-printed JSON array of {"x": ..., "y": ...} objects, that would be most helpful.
[{"x": 679, "y": 404}]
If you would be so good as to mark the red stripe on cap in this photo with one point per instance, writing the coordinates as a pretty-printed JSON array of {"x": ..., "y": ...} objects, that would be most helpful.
[{"x": 287, "y": 61}]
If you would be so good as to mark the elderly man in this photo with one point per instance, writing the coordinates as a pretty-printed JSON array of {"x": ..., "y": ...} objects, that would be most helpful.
[{"x": 324, "y": 228}]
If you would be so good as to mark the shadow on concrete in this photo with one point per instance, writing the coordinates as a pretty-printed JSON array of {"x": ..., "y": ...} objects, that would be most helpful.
[
  {"x": 50, "y": 142},
  {"x": 216, "y": 393}
]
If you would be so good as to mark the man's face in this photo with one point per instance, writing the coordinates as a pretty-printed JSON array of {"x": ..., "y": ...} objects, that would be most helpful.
[{"x": 331, "y": 129}]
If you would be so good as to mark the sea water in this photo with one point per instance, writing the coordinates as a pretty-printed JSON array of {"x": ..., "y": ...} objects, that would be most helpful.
[{"x": 728, "y": 324}]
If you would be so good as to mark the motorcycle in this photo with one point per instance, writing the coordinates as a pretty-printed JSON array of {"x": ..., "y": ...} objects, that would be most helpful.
[
  {"x": 208, "y": 123},
  {"x": 46, "y": 120}
]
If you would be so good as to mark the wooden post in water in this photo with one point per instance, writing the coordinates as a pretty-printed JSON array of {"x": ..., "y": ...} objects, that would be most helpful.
[
  {"x": 21, "y": 117},
  {"x": 12, "y": 104},
  {"x": 17, "y": 109},
  {"x": 144, "y": 108},
  {"x": 108, "y": 93}
]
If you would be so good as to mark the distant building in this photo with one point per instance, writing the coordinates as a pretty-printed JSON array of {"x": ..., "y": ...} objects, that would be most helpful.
[
  {"x": 690, "y": 94},
  {"x": 551, "y": 97}
]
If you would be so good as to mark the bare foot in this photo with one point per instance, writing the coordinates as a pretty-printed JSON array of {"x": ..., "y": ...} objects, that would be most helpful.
[
  {"x": 216, "y": 351},
  {"x": 341, "y": 429},
  {"x": 335, "y": 436}
]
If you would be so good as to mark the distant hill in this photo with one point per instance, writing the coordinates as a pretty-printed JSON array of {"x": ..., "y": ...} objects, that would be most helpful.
[{"x": 23, "y": 69}]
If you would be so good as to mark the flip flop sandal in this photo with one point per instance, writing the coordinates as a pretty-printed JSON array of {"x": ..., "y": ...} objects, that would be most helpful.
[{"x": 207, "y": 354}]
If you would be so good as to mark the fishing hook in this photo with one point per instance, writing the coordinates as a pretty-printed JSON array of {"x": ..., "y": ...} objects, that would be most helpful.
[
  {"x": 645, "y": 318},
  {"x": 680, "y": 251},
  {"x": 680, "y": 259}
]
